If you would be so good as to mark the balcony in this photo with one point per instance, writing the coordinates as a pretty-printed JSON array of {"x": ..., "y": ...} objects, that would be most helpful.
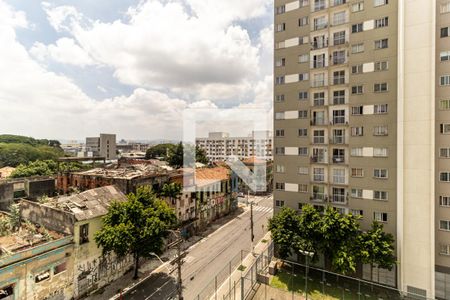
[
  {"x": 338, "y": 2},
  {"x": 339, "y": 120},
  {"x": 320, "y": 5},
  {"x": 337, "y": 140},
  {"x": 319, "y": 140},
  {"x": 339, "y": 179},
  {"x": 319, "y": 197},
  {"x": 338, "y": 198},
  {"x": 319, "y": 44},
  {"x": 318, "y": 83},
  {"x": 339, "y": 80},
  {"x": 320, "y": 26},
  {"x": 318, "y": 159},
  {"x": 318, "y": 122},
  {"x": 319, "y": 102},
  {"x": 338, "y": 159}
]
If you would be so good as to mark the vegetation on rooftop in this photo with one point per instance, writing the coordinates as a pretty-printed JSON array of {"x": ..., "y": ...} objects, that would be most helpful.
[{"x": 45, "y": 168}]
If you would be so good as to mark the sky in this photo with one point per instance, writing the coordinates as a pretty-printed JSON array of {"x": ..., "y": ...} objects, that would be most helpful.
[{"x": 71, "y": 69}]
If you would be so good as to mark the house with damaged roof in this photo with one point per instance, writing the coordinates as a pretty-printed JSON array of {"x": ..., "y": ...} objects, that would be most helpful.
[{"x": 80, "y": 215}]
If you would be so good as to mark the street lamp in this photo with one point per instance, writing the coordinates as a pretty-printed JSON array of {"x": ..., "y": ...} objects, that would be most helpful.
[
  {"x": 307, "y": 254},
  {"x": 162, "y": 262}
]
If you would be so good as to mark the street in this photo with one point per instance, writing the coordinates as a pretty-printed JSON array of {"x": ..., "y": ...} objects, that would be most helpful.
[{"x": 206, "y": 258}]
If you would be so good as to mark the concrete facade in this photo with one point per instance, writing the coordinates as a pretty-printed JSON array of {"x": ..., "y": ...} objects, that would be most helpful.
[
  {"x": 104, "y": 146},
  {"x": 360, "y": 113}
]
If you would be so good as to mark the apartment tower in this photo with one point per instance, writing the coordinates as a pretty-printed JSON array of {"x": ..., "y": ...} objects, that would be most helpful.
[{"x": 362, "y": 123}]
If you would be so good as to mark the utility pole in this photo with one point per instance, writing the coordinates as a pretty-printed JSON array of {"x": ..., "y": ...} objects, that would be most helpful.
[
  {"x": 251, "y": 225},
  {"x": 178, "y": 261}
]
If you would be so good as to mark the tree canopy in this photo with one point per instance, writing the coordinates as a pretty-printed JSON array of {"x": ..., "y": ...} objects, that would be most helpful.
[
  {"x": 337, "y": 236},
  {"x": 137, "y": 226},
  {"x": 160, "y": 150},
  {"x": 45, "y": 168},
  {"x": 176, "y": 156}
]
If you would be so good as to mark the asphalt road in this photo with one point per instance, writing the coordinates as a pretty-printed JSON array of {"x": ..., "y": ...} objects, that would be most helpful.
[{"x": 205, "y": 259}]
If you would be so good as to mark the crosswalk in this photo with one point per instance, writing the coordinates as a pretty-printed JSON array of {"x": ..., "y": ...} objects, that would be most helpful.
[{"x": 263, "y": 209}]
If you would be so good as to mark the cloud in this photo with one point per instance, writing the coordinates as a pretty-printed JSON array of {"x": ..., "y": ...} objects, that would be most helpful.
[
  {"x": 197, "y": 52},
  {"x": 64, "y": 51}
]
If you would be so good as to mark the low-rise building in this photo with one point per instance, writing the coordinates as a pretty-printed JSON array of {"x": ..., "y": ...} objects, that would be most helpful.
[
  {"x": 80, "y": 215},
  {"x": 35, "y": 262}
]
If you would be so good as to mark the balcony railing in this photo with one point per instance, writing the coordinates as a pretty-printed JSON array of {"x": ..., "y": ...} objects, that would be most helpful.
[
  {"x": 319, "y": 102},
  {"x": 338, "y": 198},
  {"x": 318, "y": 159},
  {"x": 318, "y": 83},
  {"x": 337, "y": 140},
  {"x": 338, "y": 120},
  {"x": 319, "y": 177},
  {"x": 339, "y": 179},
  {"x": 319, "y": 197},
  {"x": 319, "y": 140},
  {"x": 319, "y": 26},
  {"x": 338, "y": 159},
  {"x": 319, "y": 44}
]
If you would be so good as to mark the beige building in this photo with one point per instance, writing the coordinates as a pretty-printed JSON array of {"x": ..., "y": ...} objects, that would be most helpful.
[
  {"x": 104, "y": 146},
  {"x": 362, "y": 122},
  {"x": 219, "y": 145}
]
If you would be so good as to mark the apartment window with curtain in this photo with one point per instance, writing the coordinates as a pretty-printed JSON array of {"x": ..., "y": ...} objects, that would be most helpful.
[
  {"x": 381, "y": 44},
  {"x": 339, "y": 38},
  {"x": 320, "y": 23},
  {"x": 303, "y": 132},
  {"x": 319, "y": 136},
  {"x": 339, "y": 18},
  {"x": 279, "y": 169},
  {"x": 357, "y": 172},
  {"x": 445, "y": 128},
  {"x": 380, "y": 130},
  {"x": 383, "y": 22},
  {"x": 319, "y": 5},
  {"x": 380, "y": 195},
  {"x": 280, "y": 27},
  {"x": 303, "y": 95},
  {"x": 380, "y": 87},
  {"x": 379, "y": 109},
  {"x": 444, "y": 225},
  {"x": 380, "y": 217},
  {"x": 445, "y": 80},
  {"x": 339, "y": 176},
  {"x": 357, "y": 69},
  {"x": 358, "y": 48},
  {"x": 357, "y": 28},
  {"x": 444, "y": 152},
  {"x": 280, "y": 9},
  {"x": 357, "y": 110},
  {"x": 357, "y": 7},
  {"x": 339, "y": 77},
  {"x": 339, "y": 57},
  {"x": 303, "y": 170},
  {"x": 303, "y": 151},
  {"x": 339, "y": 97},
  {"x": 280, "y": 62},
  {"x": 380, "y": 2},
  {"x": 357, "y": 131},
  {"x": 381, "y": 66},
  {"x": 303, "y": 21},
  {"x": 380, "y": 173},
  {"x": 444, "y": 201},
  {"x": 356, "y": 193},
  {"x": 319, "y": 99},
  {"x": 303, "y": 58}
]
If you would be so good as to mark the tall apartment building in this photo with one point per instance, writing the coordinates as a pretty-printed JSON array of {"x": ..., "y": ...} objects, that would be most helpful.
[
  {"x": 219, "y": 145},
  {"x": 104, "y": 146},
  {"x": 362, "y": 122}
]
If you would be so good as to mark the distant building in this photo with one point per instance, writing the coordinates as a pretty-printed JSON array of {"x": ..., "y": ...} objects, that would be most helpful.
[
  {"x": 219, "y": 145},
  {"x": 104, "y": 146},
  {"x": 72, "y": 148},
  {"x": 5, "y": 172}
]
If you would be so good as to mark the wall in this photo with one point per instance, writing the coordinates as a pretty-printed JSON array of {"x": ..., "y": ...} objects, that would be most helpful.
[
  {"x": 38, "y": 188},
  {"x": 6, "y": 195}
]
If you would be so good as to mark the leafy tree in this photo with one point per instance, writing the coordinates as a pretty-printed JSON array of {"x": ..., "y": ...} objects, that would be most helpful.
[
  {"x": 176, "y": 156},
  {"x": 45, "y": 168},
  {"x": 160, "y": 150},
  {"x": 377, "y": 247},
  {"x": 285, "y": 227},
  {"x": 171, "y": 190},
  {"x": 137, "y": 226},
  {"x": 200, "y": 155}
]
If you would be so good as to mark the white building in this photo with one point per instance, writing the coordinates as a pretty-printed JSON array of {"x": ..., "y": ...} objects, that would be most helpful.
[
  {"x": 104, "y": 146},
  {"x": 219, "y": 145}
]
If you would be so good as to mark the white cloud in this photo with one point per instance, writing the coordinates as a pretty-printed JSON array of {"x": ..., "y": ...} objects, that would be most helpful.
[
  {"x": 64, "y": 51},
  {"x": 197, "y": 53}
]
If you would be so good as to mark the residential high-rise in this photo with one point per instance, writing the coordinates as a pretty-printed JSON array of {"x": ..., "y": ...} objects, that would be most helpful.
[{"x": 362, "y": 122}]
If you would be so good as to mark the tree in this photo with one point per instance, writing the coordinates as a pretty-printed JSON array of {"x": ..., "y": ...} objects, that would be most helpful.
[
  {"x": 45, "y": 168},
  {"x": 171, "y": 190},
  {"x": 284, "y": 227},
  {"x": 136, "y": 226},
  {"x": 177, "y": 156},
  {"x": 160, "y": 150},
  {"x": 377, "y": 247},
  {"x": 200, "y": 155}
]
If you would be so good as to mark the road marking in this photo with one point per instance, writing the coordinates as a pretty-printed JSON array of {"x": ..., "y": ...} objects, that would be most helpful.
[
  {"x": 262, "y": 208},
  {"x": 157, "y": 290}
]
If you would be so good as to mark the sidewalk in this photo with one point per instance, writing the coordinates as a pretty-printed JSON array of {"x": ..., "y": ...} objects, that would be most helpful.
[{"x": 235, "y": 277}]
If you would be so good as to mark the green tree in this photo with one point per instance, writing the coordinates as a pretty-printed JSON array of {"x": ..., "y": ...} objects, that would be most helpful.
[
  {"x": 171, "y": 190},
  {"x": 285, "y": 228},
  {"x": 176, "y": 156},
  {"x": 200, "y": 156},
  {"x": 160, "y": 150},
  {"x": 376, "y": 247},
  {"x": 14, "y": 219},
  {"x": 45, "y": 168},
  {"x": 136, "y": 226}
]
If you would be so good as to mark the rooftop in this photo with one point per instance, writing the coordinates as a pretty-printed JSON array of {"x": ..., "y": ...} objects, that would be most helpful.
[
  {"x": 205, "y": 176},
  {"x": 128, "y": 172},
  {"x": 89, "y": 204}
]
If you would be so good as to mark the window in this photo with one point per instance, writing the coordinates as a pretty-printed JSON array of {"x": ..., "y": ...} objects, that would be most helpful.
[
  {"x": 320, "y": 23},
  {"x": 445, "y": 55},
  {"x": 444, "y": 32},
  {"x": 444, "y": 249},
  {"x": 303, "y": 151},
  {"x": 339, "y": 77},
  {"x": 357, "y": 69},
  {"x": 338, "y": 195},
  {"x": 319, "y": 5},
  {"x": 444, "y": 201},
  {"x": 303, "y": 21},
  {"x": 319, "y": 80},
  {"x": 302, "y": 132},
  {"x": 279, "y": 115},
  {"x": 357, "y": 172},
  {"x": 444, "y": 225},
  {"x": 279, "y": 203},
  {"x": 381, "y": 44},
  {"x": 445, "y": 128},
  {"x": 303, "y": 170},
  {"x": 339, "y": 116},
  {"x": 357, "y": 212},
  {"x": 380, "y": 195},
  {"x": 379, "y": 2},
  {"x": 339, "y": 97},
  {"x": 357, "y": 27},
  {"x": 42, "y": 276},
  {"x": 357, "y": 110},
  {"x": 380, "y": 87},
  {"x": 383, "y": 22},
  {"x": 380, "y": 109},
  {"x": 302, "y": 95},
  {"x": 358, "y": 48},
  {"x": 304, "y": 3},
  {"x": 281, "y": 27},
  {"x": 356, "y": 7},
  {"x": 303, "y": 188},
  {"x": 445, "y": 80},
  {"x": 357, "y": 193},
  {"x": 280, "y": 10},
  {"x": 380, "y": 217},
  {"x": 445, "y": 8},
  {"x": 280, "y": 62},
  {"x": 444, "y": 152},
  {"x": 380, "y": 173},
  {"x": 380, "y": 130},
  {"x": 279, "y": 168},
  {"x": 60, "y": 268},
  {"x": 279, "y": 150},
  {"x": 339, "y": 57},
  {"x": 339, "y": 18},
  {"x": 279, "y": 133},
  {"x": 357, "y": 89},
  {"x": 357, "y": 131},
  {"x": 318, "y": 118},
  {"x": 444, "y": 176},
  {"x": 84, "y": 233},
  {"x": 339, "y": 176},
  {"x": 302, "y": 114},
  {"x": 303, "y": 58},
  {"x": 279, "y": 186},
  {"x": 381, "y": 66},
  {"x": 303, "y": 77},
  {"x": 319, "y": 61},
  {"x": 319, "y": 174},
  {"x": 279, "y": 98},
  {"x": 319, "y": 137},
  {"x": 356, "y": 152},
  {"x": 339, "y": 38},
  {"x": 319, "y": 99},
  {"x": 279, "y": 80},
  {"x": 338, "y": 2},
  {"x": 318, "y": 192}
]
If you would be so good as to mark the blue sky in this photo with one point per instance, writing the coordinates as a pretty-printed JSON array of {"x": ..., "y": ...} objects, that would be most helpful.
[{"x": 130, "y": 67}]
